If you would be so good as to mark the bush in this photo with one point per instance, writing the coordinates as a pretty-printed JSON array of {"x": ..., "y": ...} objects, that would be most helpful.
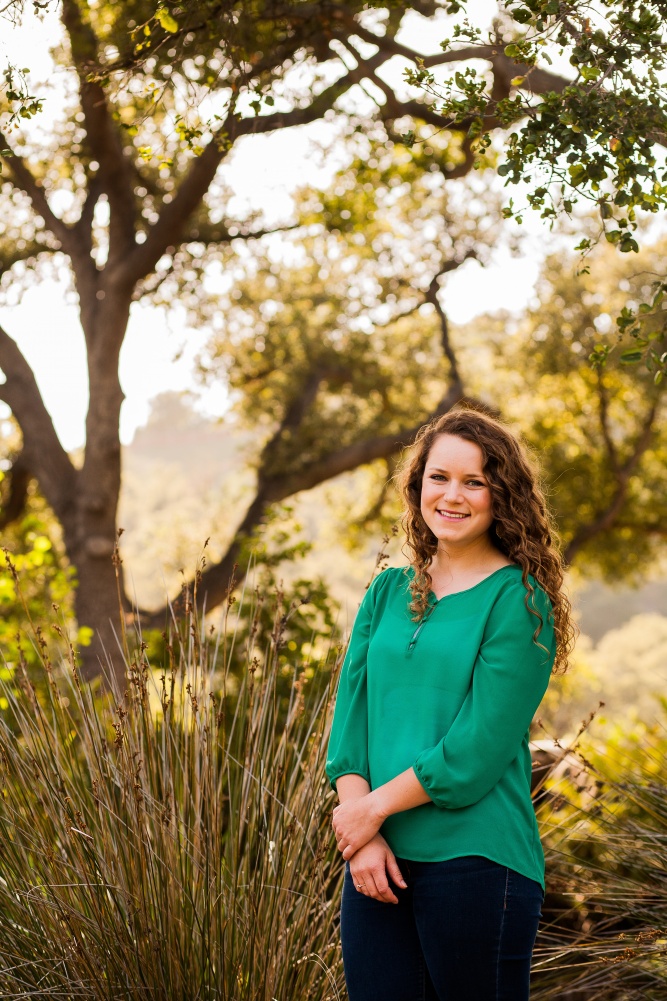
[
  {"x": 173, "y": 840},
  {"x": 604, "y": 930}
]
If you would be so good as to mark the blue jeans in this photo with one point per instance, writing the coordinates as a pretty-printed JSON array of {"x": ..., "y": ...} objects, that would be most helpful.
[{"x": 463, "y": 930}]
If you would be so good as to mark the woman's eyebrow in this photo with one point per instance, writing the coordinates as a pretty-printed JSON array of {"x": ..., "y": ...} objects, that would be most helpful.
[{"x": 439, "y": 469}]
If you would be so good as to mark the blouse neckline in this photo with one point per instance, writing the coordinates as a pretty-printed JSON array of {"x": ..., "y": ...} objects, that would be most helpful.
[{"x": 466, "y": 590}]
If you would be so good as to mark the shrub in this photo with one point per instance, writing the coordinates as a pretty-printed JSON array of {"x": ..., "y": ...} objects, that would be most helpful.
[
  {"x": 603, "y": 936},
  {"x": 172, "y": 840}
]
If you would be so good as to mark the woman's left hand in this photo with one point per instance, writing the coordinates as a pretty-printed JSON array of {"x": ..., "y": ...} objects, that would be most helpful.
[{"x": 355, "y": 822}]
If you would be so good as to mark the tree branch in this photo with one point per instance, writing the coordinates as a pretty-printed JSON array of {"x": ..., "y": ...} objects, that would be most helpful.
[
  {"x": 537, "y": 79},
  {"x": 215, "y": 581},
  {"x": 18, "y": 479},
  {"x": 168, "y": 230},
  {"x": 607, "y": 517},
  {"x": 23, "y": 179},
  {"x": 42, "y": 451},
  {"x": 432, "y": 297},
  {"x": 603, "y": 410},
  {"x": 215, "y": 233},
  {"x": 115, "y": 172},
  {"x": 10, "y": 257},
  {"x": 83, "y": 227}
]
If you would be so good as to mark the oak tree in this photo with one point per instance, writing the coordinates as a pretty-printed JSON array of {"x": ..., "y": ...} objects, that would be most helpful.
[{"x": 128, "y": 190}]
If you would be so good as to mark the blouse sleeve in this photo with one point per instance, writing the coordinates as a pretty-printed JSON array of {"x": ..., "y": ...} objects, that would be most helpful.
[
  {"x": 348, "y": 742},
  {"x": 510, "y": 677}
]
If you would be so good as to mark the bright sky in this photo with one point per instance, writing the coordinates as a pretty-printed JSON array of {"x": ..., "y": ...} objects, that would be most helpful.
[{"x": 159, "y": 350}]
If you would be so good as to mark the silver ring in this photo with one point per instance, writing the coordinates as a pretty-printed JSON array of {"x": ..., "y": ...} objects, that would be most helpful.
[{"x": 358, "y": 885}]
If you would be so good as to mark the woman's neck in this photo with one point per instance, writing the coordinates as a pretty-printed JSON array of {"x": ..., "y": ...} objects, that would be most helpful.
[{"x": 480, "y": 556}]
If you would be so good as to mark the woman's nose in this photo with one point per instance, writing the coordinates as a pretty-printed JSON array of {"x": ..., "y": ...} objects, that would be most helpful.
[{"x": 452, "y": 490}]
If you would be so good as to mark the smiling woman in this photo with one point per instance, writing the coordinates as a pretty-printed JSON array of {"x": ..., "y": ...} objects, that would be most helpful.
[
  {"x": 448, "y": 661},
  {"x": 456, "y": 506}
]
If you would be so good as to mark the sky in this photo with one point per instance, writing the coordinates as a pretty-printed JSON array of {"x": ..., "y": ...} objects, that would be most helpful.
[{"x": 160, "y": 348}]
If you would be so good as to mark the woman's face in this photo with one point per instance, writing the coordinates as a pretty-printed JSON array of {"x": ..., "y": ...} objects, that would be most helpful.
[{"x": 456, "y": 497}]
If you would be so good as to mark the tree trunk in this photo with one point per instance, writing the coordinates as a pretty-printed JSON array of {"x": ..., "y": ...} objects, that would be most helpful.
[
  {"x": 90, "y": 535},
  {"x": 97, "y": 607}
]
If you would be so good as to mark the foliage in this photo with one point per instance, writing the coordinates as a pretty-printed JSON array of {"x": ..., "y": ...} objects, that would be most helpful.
[
  {"x": 598, "y": 137},
  {"x": 175, "y": 842},
  {"x": 625, "y": 671},
  {"x": 599, "y": 431},
  {"x": 603, "y": 125},
  {"x": 32, "y": 549},
  {"x": 604, "y": 930},
  {"x": 337, "y": 335}
]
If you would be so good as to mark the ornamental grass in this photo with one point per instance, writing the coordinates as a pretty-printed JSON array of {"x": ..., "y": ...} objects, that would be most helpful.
[
  {"x": 603, "y": 822},
  {"x": 173, "y": 841},
  {"x": 170, "y": 841}
]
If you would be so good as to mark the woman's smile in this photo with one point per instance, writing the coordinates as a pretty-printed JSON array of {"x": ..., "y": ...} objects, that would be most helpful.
[
  {"x": 456, "y": 496},
  {"x": 452, "y": 515}
]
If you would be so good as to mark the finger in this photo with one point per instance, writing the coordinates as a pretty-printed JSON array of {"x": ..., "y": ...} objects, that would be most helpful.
[
  {"x": 373, "y": 891},
  {"x": 361, "y": 888},
  {"x": 394, "y": 871},
  {"x": 385, "y": 893},
  {"x": 359, "y": 880}
]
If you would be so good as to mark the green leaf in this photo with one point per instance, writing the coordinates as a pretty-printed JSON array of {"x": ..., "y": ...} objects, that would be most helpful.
[
  {"x": 630, "y": 356},
  {"x": 166, "y": 20}
]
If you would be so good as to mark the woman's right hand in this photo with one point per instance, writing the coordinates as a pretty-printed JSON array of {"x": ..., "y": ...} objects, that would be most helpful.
[{"x": 369, "y": 868}]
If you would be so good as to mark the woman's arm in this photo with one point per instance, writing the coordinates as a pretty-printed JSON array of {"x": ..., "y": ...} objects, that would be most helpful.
[
  {"x": 374, "y": 862},
  {"x": 351, "y": 787},
  {"x": 362, "y": 813}
]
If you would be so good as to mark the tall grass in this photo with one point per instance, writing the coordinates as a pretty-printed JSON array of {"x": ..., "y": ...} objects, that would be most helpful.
[
  {"x": 603, "y": 936},
  {"x": 174, "y": 840}
]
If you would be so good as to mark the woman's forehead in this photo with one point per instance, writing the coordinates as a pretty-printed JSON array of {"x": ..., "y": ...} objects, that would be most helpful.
[{"x": 450, "y": 450}]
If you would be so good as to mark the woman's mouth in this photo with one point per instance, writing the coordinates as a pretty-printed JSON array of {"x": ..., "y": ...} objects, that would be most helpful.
[{"x": 452, "y": 515}]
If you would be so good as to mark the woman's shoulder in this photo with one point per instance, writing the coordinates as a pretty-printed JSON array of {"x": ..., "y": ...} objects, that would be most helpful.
[
  {"x": 389, "y": 577},
  {"x": 529, "y": 592},
  {"x": 387, "y": 582}
]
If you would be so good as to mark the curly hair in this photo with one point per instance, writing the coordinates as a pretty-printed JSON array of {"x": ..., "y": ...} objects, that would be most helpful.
[{"x": 522, "y": 527}]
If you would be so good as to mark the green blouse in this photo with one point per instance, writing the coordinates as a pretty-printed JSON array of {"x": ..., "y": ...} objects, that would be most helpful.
[{"x": 453, "y": 698}]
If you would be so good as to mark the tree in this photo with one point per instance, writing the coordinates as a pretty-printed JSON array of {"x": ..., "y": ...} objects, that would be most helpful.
[
  {"x": 599, "y": 431},
  {"x": 136, "y": 168},
  {"x": 599, "y": 136},
  {"x": 353, "y": 342}
]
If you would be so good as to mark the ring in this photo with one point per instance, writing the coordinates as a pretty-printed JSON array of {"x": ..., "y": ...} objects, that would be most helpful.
[{"x": 358, "y": 885}]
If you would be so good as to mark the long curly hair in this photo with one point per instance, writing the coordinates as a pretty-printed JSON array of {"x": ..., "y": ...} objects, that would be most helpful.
[{"x": 522, "y": 527}]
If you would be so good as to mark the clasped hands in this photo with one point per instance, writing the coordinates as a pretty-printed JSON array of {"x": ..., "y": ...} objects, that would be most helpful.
[{"x": 356, "y": 822}]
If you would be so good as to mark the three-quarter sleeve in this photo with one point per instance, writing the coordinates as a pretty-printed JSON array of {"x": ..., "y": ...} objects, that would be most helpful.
[
  {"x": 510, "y": 677},
  {"x": 348, "y": 743}
]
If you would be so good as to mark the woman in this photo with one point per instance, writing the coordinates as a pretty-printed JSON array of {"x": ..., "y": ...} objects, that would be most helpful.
[{"x": 449, "y": 659}]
